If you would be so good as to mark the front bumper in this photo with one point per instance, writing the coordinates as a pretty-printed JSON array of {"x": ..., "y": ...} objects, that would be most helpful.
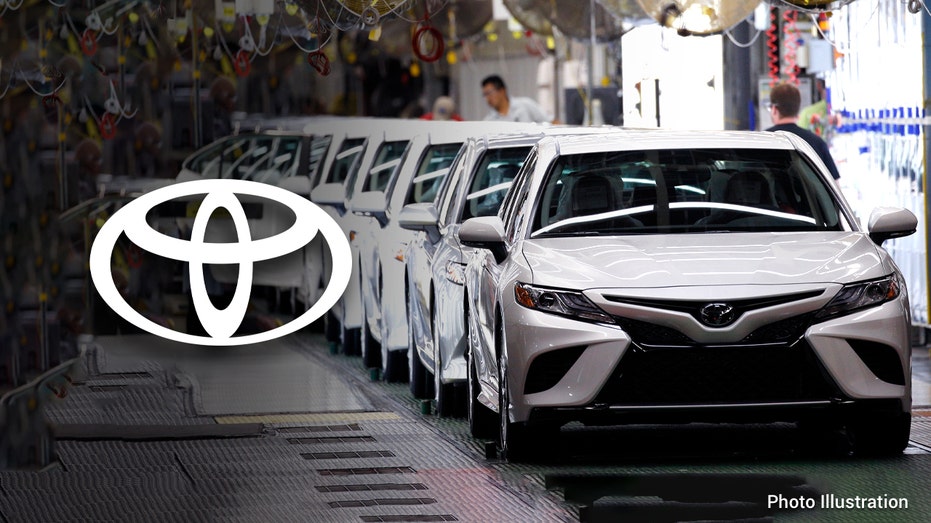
[{"x": 561, "y": 368}]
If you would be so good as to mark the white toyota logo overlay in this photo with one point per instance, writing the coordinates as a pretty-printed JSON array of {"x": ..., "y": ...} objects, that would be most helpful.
[{"x": 220, "y": 324}]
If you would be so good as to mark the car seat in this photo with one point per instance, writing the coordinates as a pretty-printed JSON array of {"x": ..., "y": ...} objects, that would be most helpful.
[
  {"x": 592, "y": 194},
  {"x": 749, "y": 188},
  {"x": 489, "y": 204}
]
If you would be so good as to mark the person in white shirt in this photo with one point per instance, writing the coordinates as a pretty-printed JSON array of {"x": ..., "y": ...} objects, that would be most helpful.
[{"x": 510, "y": 109}]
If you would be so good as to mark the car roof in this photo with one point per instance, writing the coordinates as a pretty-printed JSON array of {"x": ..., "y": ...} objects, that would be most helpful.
[
  {"x": 634, "y": 139},
  {"x": 532, "y": 136}
]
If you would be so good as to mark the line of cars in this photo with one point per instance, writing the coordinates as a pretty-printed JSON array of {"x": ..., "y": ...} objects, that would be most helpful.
[{"x": 530, "y": 276}]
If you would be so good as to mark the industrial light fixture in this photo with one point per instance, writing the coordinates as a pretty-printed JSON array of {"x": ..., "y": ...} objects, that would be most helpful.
[{"x": 699, "y": 17}]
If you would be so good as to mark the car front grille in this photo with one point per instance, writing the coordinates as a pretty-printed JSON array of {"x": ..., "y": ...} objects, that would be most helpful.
[
  {"x": 703, "y": 375},
  {"x": 693, "y": 307},
  {"x": 651, "y": 335}
]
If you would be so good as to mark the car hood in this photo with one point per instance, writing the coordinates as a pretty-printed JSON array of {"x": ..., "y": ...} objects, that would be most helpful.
[{"x": 705, "y": 259}]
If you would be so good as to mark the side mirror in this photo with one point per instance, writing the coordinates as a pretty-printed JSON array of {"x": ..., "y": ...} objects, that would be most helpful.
[
  {"x": 370, "y": 203},
  {"x": 332, "y": 194},
  {"x": 420, "y": 217},
  {"x": 891, "y": 222},
  {"x": 485, "y": 232}
]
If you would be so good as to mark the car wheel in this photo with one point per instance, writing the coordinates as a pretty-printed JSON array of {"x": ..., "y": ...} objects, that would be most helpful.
[
  {"x": 420, "y": 384},
  {"x": 880, "y": 434},
  {"x": 513, "y": 441},
  {"x": 371, "y": 351},
  {"x": 482, "y": 421},
  {"x": 331, "y": 328},
  {"x": 447, "y": 400},
  {"x": 352, "y": 345},
  {"x": 395, "y": 366},
  {"x": 512, "y": 437}
]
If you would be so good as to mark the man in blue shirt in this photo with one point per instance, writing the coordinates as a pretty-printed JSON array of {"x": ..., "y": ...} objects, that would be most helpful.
[{"x": 784, "y": 103}]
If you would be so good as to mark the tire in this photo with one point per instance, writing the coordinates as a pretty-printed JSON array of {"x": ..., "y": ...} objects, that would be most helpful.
[
  {"x": 420, "y": 383},
  {"x": 880, "y": 435},
  {"x": 371, "y": 350},
  {"x": 483, "y": 423},
  {"x": 518, "y": 441},
  {"x": 331, "y": 328},
  {"x": 352, "y": 345},
  {"x": 395, "y": 368},
  {"x": 448, "y": 402},
  {"x": 513, "y": 441}
]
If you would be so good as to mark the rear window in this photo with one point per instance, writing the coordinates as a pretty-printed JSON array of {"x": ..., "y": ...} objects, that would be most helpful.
[{"x": 684, "y": 191}]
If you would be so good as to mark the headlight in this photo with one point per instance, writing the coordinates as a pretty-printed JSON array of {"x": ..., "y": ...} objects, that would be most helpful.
[
  {"x": 565, "y": 303},
  {"x": 861, "y": 295}
]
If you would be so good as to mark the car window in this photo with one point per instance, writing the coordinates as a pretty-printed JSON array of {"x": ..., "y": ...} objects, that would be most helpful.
[
  {"x": 386, "y": 159},
  {"x": 350, "y": 149},
  {"x": 450, "y": 186},
  {"x": 513, "y": 208},
  {"x": 684, "y": 191},
  {"x": 432, "y": 169},
  {"x": 260, "y": 158},
  {"x": 208, "y": 163},
  {"x": 491, "y": 181},
  {"x": 227, "y": 158},
  {"x": 282, "y": 160},
  {"x": 319, "y": 145}
]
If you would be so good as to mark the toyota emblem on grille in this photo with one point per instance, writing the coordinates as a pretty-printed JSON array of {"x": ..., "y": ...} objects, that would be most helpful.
[{"x": 717, "y": 314}]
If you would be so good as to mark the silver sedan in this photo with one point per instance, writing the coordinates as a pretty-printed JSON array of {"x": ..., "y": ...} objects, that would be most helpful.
[{"x": 685, "y": 276}]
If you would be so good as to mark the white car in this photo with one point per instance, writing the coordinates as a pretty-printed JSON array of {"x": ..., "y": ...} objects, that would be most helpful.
[
  {"x": 287, "y": 159},
  {"x": 349, "y": 138},
  {"x": 685, "y": 276},
  {"x": 384, "y": 141},
  {"x": 435, "y": 260},
  {"x": 382, "y": 242}
]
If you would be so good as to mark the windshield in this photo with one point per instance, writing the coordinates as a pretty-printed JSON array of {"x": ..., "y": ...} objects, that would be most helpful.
[{"x": 684, "y": 191}]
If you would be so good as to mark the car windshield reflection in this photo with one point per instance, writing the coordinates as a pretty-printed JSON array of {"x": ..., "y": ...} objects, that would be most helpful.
[{"x": 702, "y": 191}]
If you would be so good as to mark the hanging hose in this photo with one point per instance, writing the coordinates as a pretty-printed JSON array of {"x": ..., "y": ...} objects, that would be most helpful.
[
  {"x": 319, "y": 61},
  {"x": 790, "y": 43},
  {"x": 772, "y": 48},
  {"x": 427, "y": 42}
]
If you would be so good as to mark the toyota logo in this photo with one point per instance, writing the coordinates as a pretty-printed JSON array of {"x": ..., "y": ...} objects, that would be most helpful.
[
  {"x": 220, "y": 324},
  {"x": 717, "y": 314}
]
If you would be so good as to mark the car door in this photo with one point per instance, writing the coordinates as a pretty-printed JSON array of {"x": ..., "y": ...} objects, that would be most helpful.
[
  {"x": 484, "y": 273},
  {"x": 480, "y": 191}
]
